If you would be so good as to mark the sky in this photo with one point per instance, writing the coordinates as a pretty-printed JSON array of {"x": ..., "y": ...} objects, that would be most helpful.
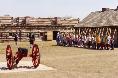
[{"x": 54, "y": 8}]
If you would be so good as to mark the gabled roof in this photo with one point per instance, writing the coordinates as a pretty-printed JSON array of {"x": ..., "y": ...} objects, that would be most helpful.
[{"x": 106, "y": 17}]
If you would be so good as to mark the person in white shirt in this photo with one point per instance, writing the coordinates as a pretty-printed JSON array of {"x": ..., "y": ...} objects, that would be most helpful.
[{"x": 108, "y": 41}]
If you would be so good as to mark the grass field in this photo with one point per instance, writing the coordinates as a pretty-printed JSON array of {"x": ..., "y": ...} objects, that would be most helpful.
[{"x": 69, "y": 62}]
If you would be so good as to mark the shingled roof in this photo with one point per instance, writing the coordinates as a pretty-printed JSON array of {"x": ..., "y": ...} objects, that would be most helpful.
[{"x": 106, "y": 17}]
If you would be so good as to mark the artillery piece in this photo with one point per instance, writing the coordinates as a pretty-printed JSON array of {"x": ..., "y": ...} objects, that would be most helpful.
[{"x": 13, "y": 61}]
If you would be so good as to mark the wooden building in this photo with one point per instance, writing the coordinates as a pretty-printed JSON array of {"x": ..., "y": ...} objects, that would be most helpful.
[
  {"x": 6, "y": 20},
  {"x": 104, "y": 19},
  {"x": 46, "y": 27}
]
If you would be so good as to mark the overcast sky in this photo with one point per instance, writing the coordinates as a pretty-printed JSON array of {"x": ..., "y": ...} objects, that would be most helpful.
[{"x": 51, "y": 8}]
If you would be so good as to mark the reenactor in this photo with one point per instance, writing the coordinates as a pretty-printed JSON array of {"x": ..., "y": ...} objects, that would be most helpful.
[
  {"x": 31, "y": 39},
  {"x": 16, "y": 38}
]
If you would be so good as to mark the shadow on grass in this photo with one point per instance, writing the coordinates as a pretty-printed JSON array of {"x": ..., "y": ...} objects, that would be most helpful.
[
  {"x": 82, "y": 47},
  {"x": 19, "y": 67},
  {"x": 54, "y": 45}
]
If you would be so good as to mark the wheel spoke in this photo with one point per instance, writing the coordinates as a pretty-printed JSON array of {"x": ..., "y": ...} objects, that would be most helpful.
[
  {"x": 9, "y": 57},
  {"x": 35, "y": 58}
]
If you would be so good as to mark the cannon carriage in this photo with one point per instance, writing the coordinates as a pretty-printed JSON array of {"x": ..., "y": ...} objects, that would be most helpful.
[{"x": 13, "y": 60}]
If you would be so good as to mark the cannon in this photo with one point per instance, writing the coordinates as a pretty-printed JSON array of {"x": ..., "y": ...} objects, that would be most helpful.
[{"x": 13, "y": 60}]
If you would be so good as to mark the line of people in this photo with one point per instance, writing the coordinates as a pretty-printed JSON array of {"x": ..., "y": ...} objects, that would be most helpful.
[{"x": 93, "y": 39}]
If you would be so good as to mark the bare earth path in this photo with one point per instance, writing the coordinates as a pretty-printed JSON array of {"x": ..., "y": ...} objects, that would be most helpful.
[{"x": 69, "y": 62}]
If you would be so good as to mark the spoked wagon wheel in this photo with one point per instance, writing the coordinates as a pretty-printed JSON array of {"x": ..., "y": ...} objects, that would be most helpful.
[
  {"x": 35, "y": 56},
  {"x": 9, "y": 57}
]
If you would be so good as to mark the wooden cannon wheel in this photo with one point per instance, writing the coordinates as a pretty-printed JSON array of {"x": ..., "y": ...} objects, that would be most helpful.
[
  {"x": 35, "y": 56},
  {"x": 9, "y": 57}
]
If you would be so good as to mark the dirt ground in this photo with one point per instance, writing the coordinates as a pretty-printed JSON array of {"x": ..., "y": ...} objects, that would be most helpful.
[{"x": 69, "y": 62}]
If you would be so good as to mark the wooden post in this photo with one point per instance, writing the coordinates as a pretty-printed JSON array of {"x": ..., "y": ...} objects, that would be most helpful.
[
  {"x": 49, "y": 35},
  {"x": 20, "y": 34},
  {"x": 117, "y": 36}
]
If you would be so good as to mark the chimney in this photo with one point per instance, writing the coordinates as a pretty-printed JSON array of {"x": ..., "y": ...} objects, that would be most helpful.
[
  {"x": 105, "y": 9},
  {"x": 116, "y": 8}
]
